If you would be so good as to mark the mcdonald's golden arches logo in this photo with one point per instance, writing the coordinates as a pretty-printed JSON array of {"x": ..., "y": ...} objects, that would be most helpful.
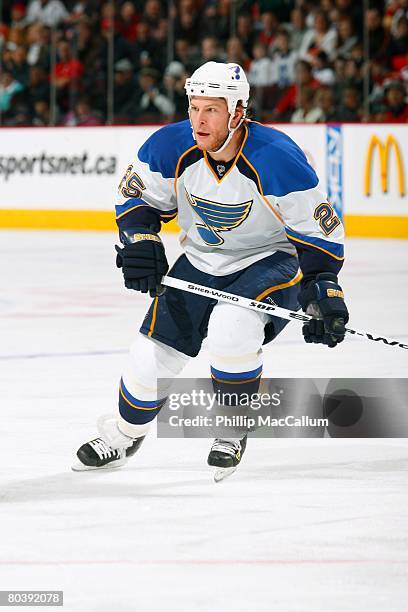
[{"x": 384, "y": 150}]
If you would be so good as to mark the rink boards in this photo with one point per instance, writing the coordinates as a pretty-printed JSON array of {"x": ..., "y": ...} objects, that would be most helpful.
[{"x": 66, "y": 178}]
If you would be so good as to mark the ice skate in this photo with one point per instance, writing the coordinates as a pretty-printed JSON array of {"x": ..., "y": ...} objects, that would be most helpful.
[
  {"x": 226, "y": 455},
  {"x": 111, "y": 450}
]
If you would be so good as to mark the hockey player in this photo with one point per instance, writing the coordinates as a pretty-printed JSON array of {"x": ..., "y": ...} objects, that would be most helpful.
[{"x": 255, "y": 222}]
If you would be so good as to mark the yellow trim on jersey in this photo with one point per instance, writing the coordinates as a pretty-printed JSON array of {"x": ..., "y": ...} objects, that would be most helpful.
[
  {"x": 134, "y": 405},
  {"x": 178, "y": 165},
  {"x": 316, "y": 247},
  {"x": 215, "y": 175},
  {"x": 130, "y": 210},
  {"x": 269, "y": 205},
  {"x": 171, "y": 216},
  {"x": 154, "y": 315},
  {"x": 290, "y": 283}
]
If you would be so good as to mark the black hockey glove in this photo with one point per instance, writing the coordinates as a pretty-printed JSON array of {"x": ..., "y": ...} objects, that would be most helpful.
[
  {"x": 323, "y": 300},
  {"x": 143, "y": 260}
]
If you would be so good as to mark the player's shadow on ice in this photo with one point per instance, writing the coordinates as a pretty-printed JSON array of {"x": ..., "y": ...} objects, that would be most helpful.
[
  {"x": 340, "y": 470},
  {"x": 91, "y": 485}
]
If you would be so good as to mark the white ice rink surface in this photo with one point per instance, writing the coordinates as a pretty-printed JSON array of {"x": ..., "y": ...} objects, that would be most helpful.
[{"x": 304, "y": 525}]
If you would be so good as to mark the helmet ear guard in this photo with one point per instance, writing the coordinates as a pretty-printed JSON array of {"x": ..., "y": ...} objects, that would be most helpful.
[{"x": 218, "y": 80}]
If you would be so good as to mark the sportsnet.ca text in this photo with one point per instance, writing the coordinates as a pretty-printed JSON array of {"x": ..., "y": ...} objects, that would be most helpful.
[{"x": 57, "y": 164}]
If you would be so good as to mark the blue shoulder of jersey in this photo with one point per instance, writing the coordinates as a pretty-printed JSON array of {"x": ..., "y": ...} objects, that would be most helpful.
[
  {"x": 281, "y": 165},
  {"x": 163, "y": 149}
]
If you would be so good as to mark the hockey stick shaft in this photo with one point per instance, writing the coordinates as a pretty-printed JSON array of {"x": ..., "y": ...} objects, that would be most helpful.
[{"x": 275, "y": 311}]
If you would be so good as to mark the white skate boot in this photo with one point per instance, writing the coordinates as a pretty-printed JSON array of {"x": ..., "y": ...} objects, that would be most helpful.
[{"x": 111, "y": 450}]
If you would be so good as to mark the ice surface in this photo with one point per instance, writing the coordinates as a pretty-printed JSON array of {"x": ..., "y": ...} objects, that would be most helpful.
[{"x": 304, "y": 525}]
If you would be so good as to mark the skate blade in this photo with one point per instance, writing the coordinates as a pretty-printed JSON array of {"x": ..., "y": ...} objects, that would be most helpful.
[
  {"x": 77, "y": 466},
  {"x": 223, "y": 473}
]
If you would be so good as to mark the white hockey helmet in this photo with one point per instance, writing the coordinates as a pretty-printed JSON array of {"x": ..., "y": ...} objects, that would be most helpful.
[{"x": 219, "y": 80}]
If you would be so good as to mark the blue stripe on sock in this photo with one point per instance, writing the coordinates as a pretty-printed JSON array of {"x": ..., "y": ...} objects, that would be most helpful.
[
  {"x": 135, "y": 411},
  {"x": 236, "y": 375},
  {"x": 137, "y": 402}
]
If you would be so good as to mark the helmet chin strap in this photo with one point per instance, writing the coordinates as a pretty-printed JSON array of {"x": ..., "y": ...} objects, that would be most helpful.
[{"x": 231, "y": 132}]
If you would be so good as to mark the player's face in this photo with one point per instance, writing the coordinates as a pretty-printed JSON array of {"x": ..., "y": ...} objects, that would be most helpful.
[{"x": 209, "y": 118}]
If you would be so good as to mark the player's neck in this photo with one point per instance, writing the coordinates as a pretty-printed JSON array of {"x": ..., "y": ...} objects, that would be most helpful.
[{"x": 231, "y": 149}]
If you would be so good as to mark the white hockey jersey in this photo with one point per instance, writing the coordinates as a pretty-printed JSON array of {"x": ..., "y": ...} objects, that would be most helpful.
[{"x": 268, "y": 200}]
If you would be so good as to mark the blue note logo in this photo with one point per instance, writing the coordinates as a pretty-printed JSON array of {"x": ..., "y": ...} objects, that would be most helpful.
[
  {"x": 218, "y": 217},
  {"x": 236, "y": 72}
]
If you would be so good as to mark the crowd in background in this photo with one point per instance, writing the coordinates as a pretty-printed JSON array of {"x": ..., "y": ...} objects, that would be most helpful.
[{"x": 90, "y": 62}]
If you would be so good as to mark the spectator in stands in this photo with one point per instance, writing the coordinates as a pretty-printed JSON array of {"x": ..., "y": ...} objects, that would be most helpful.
[
  {"x": 217, "y": 19},
  {"x": 110, "y": 37},
  {"x": 87, "y": 48},
  {"x": 307, "y": 111},
  {"x": 352, "y": 73},
  {"x": 20, "y": 69},
  {"x": 187, "y": 23},
  {"x": 85, "y": 9},
  {"x": 174, "y": 80},
  {"x": 353, "y": 9},
  {"x": 38, "y": 39},
  {"x": 245, "y": 32},
  {"x": 153, "y": 106},
  {"x": 152, "y": 13},
  {"x": 210, "y": 50},
  {"x": 397, "y": 109},
  {"x": 82, "y": 115},
  {"x": 326, "y": 32},
  {"x": 160, "y": 36},
  {"x": 349, "y": 109},
  {"x": 144, "y": 52},
  {"x": 286, "y": 103},
  {"x": 236, "y": 53},
  {"x": 297, "y": 28},
  {"x": 324, "y": 99},
  {"x": 322, "y": 70},
  {"x": 128, "y": 21},
  {"x": 9, "y": 88},
  {"x": 7, "y": 57},
  {"x": 399, "y": 8},
  {"x": 397, "y": 51},
  {"x": 42, "y": 114},
  {"x": 346, "y": 36},
  {"x": 17, "y": 36},
  {"x": 261, "y": 72},
  {"x": 48, "y": 12},
  {"x": 18, "y": 16},
  {"x": 378, "y": 38},
  {"x": 38, "y": 85},
  {"x": 125, "y": 88},
  {"x": 185, "y": 55},
  {"x": 261, "y": 77},
  {"x": 281, "y": 8},
  {"x": 68, "y": 71},
  {"x": 321, "y": 38},
  {"x": 269, "y": 27},
  {"x": 378, "y": 113},
  {"x": 283, "y": 60}
]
